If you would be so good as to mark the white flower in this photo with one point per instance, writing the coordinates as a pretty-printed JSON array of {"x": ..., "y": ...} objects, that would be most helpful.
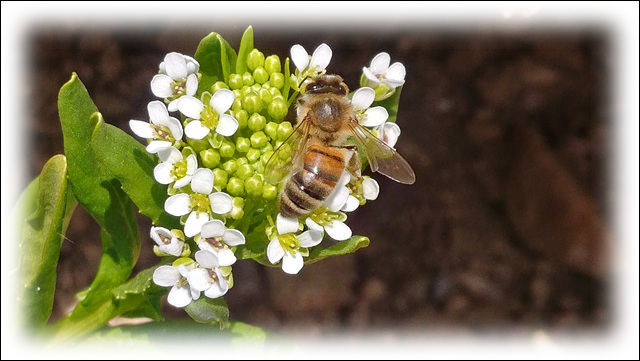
[
  {"x": 314, "y": 64},
  {"x": 181, "y": 293},
  {"x": 368, "y": 117},
  {"x": 381, "y": 73},
  {"x": 168, "y": 243},
  {"x": 200, "y": 203},
  {"x": 214, "y": 237},
  {"x": 163, "y": 130},
  {"x": 174, "y": 168},
  {"x": 208, "y": 278},
  {"x": 291, "y": 248},
  {"x": 210, "y": 117},
  {"x": 178, "y": 77}
]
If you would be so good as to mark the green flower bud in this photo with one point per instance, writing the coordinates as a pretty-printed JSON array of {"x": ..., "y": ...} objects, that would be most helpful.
[
  {"x": 275, "y": 93},
  {"x": 259, "y": 139},
  {"x": 258, "y": 166},
  {"x": 227, "y": 149},
  {"x": 284, "y": 130},
  {"x": 256, "y": 122},
  {"x": 276, "y": 80},
  {"x": 230, "y": 166},
  {"x": 272, "y": 64},
  {"x": 246, "y": 89},
  {"x": 278, "y": 109},
  {"x": 269, "y": 191},
  {"x": 235, "y": 81},
  {"x": 271, "y": 129},
  {"x": 210, "y": 158},
  {"x": 244, "y": 171},
  {"x": 265, "y": 95},
  {"x": 247, "y": 79},
  {"x": 253, "y": 154},
  {"x": 237, "y": 212},
  {"x": 217, "y": 86},
  {"x": 237, "y": 104},
  {"x": 198, "y": 145},
  {"x": 235, "y": 187},
  {"x": 254, "y": 185},
  {"x": 252, "y": 103},
  {"x": 256, "y": 88},
  {"x": 260, "y": 75},
  {"x": 242, "y": 160},
  {"x": 267, "y": 148},
  {"x": 238, "y": 93},
  {"x": 243, "y": 144},
  {"x": 255, "y": 59},
  {"x": 242, "y": 117},
  {"x": 220, "y": 178}
]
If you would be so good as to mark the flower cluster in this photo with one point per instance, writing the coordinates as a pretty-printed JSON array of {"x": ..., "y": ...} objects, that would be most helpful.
[{"x": 212, "y": 145}]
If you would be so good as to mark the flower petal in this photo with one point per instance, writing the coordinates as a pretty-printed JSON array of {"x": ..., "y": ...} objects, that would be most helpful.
[
  {"x": 194, "y": 223},
  {"x": 275, "y": 252},
  {"x": 292, "y": 263},
  {"x": 390, "y": 133},
  {"x": 202, "y": 181},
  {"x": 310, "y": 238},
  {"x": 338, "y": 231},
  {"x": 192, "y": 164},
  {"x": 213, "y": 228},
  {"x": 141, "y": 129},
  {"x": 286, "y": 225},
  {"x": 182, "y": 182},
  {"x": 219, "y": 288},
  {"x": 396, "y": 73},
  {"x": 233, "y": 237},
  {"x": 227, "y": 125},
  {"x": 221, "y": 203},
  {"x": 313, "y": 225},
  {"x": 351, "y": 205},
  {"x": 165, "y": 276},
  {"x": 178, "y": 204},
  {"x": 380, "y": 63},
  {"x": 374, "y": 116},
  {"x": 158, "y": 113},
  {"x": 226, "y": 257},
  {"x": 370, "y": 189},
  {"x": 161, "y": 86},
  {"x": 175, "y": 66},
  {"x": 196, "y": 130},
  {"x": 157, "y": 233},
  {"x": 337, "y": 199},
  {"x": 157, "y": 145},
  {"x": 363, "y": 98},
  {"x": 192, "y": 85},
  {"x": 171, "y": 155},
  {"x": 174, "y": 248},
  {"x": 300, "y": 57},
  {"x": 162, "y": 173},
  {"x": 321, "y": 58},
  {"x": 179, "y": 296},
  {"x": 207, "y": 259},
  {"x": 190, "y": 106},
  {"x": 175, "y": 127},
  {"x": 222, "y": 100},
  {"x": 199, "y": 278}
]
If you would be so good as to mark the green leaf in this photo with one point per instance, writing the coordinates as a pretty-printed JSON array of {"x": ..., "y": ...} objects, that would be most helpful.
[
  {"x": 343, "y": 247},
  {"x": 209, "y": 310},
  {"x": 127, "y": 160},
  {"x": 101, "y": 194},
  {"x": 140, "y": 297},
  {"x": 216, "y": 58},
  {"x": 44, "y": 208},
  {"x": 246, "y": 45}
]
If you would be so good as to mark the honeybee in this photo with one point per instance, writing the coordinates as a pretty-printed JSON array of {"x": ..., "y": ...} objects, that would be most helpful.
[{"x": 324, "y": 143}]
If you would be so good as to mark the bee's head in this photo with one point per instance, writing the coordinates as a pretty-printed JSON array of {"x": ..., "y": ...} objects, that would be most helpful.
[{"x": 327, "y": 83}]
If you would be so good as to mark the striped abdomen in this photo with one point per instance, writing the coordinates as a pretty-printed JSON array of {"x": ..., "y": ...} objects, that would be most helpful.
[{"x": 307, "y": 189}]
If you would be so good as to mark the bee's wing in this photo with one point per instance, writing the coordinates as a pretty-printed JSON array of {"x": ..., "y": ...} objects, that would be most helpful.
[
  {"x": 288, "y": 155},
  {"x": 382, "y": 158}
]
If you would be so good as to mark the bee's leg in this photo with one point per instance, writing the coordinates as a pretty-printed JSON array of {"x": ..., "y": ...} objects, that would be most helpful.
[{"x": 354, "y": 164}]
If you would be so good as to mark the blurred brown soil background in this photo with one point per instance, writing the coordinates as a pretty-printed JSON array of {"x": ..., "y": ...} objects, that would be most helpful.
[{"x": 507, "y": 225}]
